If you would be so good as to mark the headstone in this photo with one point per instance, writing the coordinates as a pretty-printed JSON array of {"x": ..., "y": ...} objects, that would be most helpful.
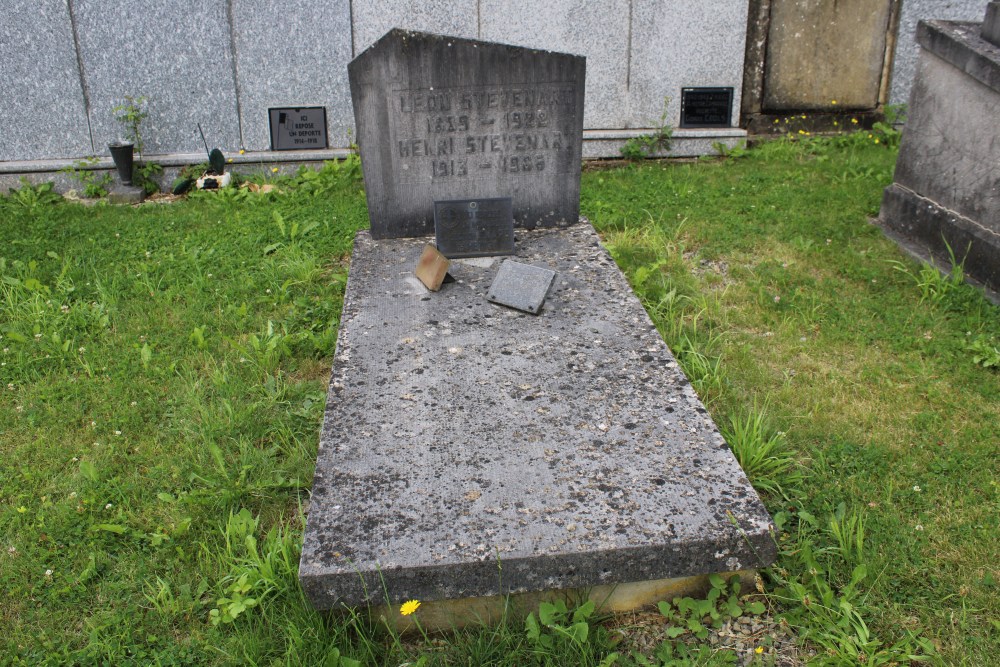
[
  {"x": 521, "y": 286},
  {"x": 442, "y": 118},
  {"x": 297, "y": 129},
  {"x": 474, "y": 227}
]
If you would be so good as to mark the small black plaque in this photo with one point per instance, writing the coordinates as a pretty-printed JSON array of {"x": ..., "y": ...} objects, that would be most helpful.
[
  {"x": 706, "y": 107},
  {"x": 297, "y": 129},
  {"x": 474, "y": 227}
]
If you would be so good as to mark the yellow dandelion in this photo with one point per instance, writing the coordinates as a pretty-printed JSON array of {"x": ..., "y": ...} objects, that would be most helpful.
[
  {"x": 409, "y": 607},
  {"x": 775, "y": 121},
  {"x": 876, "y": 141},
  {"x": 835, "y": 123},
  {"x": 803, "y": 115},
  {"x": 854, "y": 120},
  {"x": 230, "y": 160},
  {"x": 833, "y": 101},
  {"x": 802, "y": 131},
  {"x": 274, "y": 170},
  {"x": 759, "y": 650},
  {"x": 242, "y": 151}
]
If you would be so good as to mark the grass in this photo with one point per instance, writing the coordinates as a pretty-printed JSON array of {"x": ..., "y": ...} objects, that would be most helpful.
[{"x": 164, "y": 371}]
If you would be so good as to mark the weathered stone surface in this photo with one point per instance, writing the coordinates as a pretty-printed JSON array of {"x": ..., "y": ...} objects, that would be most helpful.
[
  {"x": 462, "y": 437},
  {"x": 42, "y": 110},
  {"x": 146, "y": 49},
  {"x": 308, "y": 69},
  {"x": 446, "y": 118},
  {"x": 947, "y": 185},
  {"x": 991, "y": 24},
  {"x": 907, "y": 51},
  {"x": 126, "y": 194},
  {"x": 521, "y": 286},
  {"x": 824, "y": 50}
]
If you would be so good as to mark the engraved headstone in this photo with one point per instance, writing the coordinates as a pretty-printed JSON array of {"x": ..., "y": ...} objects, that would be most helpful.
[
  {"x": 474, "y": 227},
  {"x": 442, "y": 118},
  {"x": 521, "y": 286}
]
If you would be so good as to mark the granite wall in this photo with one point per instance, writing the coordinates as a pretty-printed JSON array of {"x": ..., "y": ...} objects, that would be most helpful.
[{"x": 67, "y": 63}]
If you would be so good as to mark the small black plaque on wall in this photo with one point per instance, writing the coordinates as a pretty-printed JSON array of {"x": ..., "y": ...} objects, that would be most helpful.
[
  {"x": 706, "y": 107},
  {"x": 297, "y": 129}
]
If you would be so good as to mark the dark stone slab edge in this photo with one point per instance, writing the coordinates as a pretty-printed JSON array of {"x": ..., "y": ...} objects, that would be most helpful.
[
  {"x": 488, "y": 577},
  {"x": 960, "y": 44},
  {"x": 906, "y": 216}
]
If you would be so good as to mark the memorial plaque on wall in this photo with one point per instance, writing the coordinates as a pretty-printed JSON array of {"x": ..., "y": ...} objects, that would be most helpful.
[
  {"x": 443, "y": 118},
  {"x": 474, "y": 227},
  {"x": 706, "y": 107},
  {"x": 297, "y": 129}
]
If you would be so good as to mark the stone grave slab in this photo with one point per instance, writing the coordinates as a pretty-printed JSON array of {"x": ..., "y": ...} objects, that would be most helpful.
[
  {"x": 472, "y": 450},
  {"x": 443, "y": 118}
]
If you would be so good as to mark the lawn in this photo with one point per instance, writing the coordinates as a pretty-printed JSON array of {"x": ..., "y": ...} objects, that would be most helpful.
[{"x": 164, "y": 371}]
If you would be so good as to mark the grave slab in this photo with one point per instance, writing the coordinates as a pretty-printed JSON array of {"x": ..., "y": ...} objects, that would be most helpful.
[{"x": 471, "y": 450}]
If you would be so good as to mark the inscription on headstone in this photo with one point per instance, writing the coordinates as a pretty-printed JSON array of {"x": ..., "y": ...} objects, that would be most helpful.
[
  {"x": 442, "y": 118},
  {"x": 297, "y": 129},
  {"x": 706, "y": 107},
  {"x": 474, "y": 227}
]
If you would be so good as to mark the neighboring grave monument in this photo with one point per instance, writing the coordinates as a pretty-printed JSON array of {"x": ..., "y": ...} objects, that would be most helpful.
[
  {"x": 444, "y": 118},
  {"x": 524, "y": 427},
  {"x": 946, "y": 190}
]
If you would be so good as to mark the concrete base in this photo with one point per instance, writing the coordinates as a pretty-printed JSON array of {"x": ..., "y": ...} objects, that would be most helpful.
[
  {"x": 126, "y": 194},
  {"x": 470, "y": 450},
  {"x": 443, "y": 615},
  {"x": 912, "y": 220}
]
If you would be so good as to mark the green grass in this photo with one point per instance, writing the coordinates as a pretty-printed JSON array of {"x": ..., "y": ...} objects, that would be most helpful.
[{"x": 163, "y": 379}]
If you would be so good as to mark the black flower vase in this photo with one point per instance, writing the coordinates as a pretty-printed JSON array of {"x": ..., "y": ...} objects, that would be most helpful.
[{"x": 122, "y": 154}]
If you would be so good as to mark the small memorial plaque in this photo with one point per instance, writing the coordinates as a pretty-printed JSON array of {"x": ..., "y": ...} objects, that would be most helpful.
[
  {"x": 474, "y": 227},
  {"x": 706, "y": 107},
  {"x": 297, "y": 129},
  {"x": 521, "y": 286}
]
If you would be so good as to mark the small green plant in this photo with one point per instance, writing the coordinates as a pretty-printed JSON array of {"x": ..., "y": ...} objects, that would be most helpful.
[
  {"x": 648, "y": 145},
  {"x": 94, "y": 184},
  {"x": 31, "y": 197},
  {"x": 559, "y": 630},
  {"x": 761, "y": 452},
  {"x": 132, "y": 113},
  {"x": 934, "y": 284},
  {"x": 694, "y": 616},
  {"x": 985, "y": 352}
]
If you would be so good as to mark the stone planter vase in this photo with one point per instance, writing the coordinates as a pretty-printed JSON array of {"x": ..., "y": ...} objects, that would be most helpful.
[{"x": 123, "y": 155}]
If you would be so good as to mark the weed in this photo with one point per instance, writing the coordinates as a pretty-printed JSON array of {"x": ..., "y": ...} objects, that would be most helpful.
[
  {"x": 649, "y": 145},
  {"x": 762, "y": 452},
  {"x": 690, "y": 615},
  {"x": 94, "y": 185},
  {"x": 985, "y": 352},
  {"x": 31, "y": 197}
]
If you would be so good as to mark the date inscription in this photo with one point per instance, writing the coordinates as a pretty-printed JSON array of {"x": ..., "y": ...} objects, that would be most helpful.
[{"x": 476, "y": 133}]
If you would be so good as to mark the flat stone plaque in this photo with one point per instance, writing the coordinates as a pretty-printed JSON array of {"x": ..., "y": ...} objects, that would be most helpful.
[
  {"x": 442, "y": 118},
  {"x": 706, "y": 107},
  {"x": 521, "y": 286},
  {"x": 474, "y": 227},
  {"x": 297, "y": 129}
]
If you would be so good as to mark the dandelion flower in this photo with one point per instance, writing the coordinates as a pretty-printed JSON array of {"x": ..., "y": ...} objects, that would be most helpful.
[
  {"x": 242, "y": 151},
  {"x": 876, "y": 141},
  {"x": 854, "y": 120},
  {"x": 409, "y": 607},
  {"x": 833, "y": 101},
  {"x": 760, "y": 649},
  {"x": 274, "y": 170}
]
